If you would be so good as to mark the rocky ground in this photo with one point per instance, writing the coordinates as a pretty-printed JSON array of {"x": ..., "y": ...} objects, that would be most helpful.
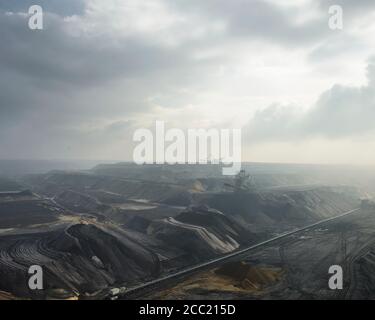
[
  {"x": 296, "y": 268},
  {"x": 93, "y": 231}
]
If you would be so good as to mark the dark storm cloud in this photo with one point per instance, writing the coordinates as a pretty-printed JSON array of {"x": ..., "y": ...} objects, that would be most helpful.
[
  {"x": 67, "y": 90},
  {"x": 340, "y": 112},
  {"x": 54, "y": 84},
  {"x": 54, "y": 55},
  {"x": 52, "y": 63},
  {"x": 35, "y": 66},
  {"x": 60, "y": 7}
]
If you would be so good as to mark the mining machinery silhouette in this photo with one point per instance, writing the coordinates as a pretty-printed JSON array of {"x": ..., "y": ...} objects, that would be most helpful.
[{"x": 242, "y": 183}]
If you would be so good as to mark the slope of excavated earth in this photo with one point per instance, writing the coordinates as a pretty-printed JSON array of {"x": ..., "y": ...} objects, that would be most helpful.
[
  {"x": 295, "y": 268},
  {"x": 80, "y": 259},
  {"x": 57, "y": 182},
  {"x": 202, "y": 232},
  {"x": 7, "y": 296},
  {"x": 82, "y": 255},
  {"x": 7, "y": 184},
  {"x": 236, "y": 278},
  {"x": 281, "y": 209},
  {"x": 15, "y": 214},
  {"x": 82, "y": 203},
  {"x": 95, "y": 230}
]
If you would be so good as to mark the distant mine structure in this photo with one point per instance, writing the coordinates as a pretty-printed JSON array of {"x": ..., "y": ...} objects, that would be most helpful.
[
  {"x": 367, "y": 204},
  {"x": 243, "y": 183}
]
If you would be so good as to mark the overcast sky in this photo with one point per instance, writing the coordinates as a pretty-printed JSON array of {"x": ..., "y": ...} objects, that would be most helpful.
[{"x": 102, "y": 68}]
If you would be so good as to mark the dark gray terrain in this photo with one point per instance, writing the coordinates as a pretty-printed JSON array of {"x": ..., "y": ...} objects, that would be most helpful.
[
  {"x": 293, "y": 268},
  {"x": 98, "y": 233}
]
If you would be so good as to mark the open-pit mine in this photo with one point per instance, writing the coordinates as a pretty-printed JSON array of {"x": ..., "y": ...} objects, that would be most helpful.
[{"x": 123, "y": 231}]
